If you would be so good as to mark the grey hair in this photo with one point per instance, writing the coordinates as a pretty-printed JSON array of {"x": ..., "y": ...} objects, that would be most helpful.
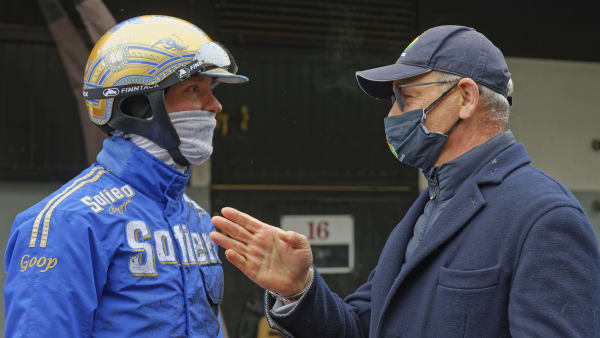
[{"x": 496, "y": 103}]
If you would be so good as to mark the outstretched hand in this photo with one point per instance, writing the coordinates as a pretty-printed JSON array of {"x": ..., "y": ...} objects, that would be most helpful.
[{"x": 275, "y": 259}]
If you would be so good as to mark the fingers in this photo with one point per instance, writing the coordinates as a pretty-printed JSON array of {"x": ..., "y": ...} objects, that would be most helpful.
[
  {"x": 227, "y": 243},
  {"x": 238, "y": 261},
  {"x": 248, "y": 222},
  {"x": 294, "y": 239},
  {"x": 233, "y": 256},
  {"x": 232, "y": 229}
]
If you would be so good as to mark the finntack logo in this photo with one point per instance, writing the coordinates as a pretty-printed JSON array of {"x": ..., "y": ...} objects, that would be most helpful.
[
  {"x": 183, "y": 73},
  {"x": 135, "y": 89},
  {"x": 194, "y": 66}
]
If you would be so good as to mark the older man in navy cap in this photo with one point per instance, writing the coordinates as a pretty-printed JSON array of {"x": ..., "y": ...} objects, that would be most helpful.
[{"x": 493, "y": 248}]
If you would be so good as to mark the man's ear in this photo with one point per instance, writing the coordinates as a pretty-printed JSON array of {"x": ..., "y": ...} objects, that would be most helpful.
[{"x": 469, "y": 97}]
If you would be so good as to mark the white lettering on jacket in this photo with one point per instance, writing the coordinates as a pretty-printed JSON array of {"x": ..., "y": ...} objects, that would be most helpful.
[
  {"x": 194, "y": 248},
  {"x": 107, "y": 197}
]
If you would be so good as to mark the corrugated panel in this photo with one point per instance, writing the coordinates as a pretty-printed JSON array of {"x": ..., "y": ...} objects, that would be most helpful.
[
  {"x": 378, "y": 24},
  {"x": 29, "y": 13},
  {"x": 39, "y": 124},
  {"x": 309, "y": 123},
  {"x": 25, "y": 33}
]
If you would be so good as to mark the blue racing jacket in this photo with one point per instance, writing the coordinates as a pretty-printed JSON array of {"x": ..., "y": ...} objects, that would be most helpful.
[{"x": 119, "y": 251}]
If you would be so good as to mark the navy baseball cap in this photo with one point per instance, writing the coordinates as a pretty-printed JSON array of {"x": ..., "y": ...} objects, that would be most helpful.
[{"x": 458, "y": 50}]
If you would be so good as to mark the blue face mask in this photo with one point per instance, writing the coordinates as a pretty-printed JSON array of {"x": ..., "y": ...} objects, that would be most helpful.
[{"x": 411, "y": 142}]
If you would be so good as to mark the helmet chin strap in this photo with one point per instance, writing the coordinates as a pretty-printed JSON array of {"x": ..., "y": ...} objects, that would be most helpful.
[
  {"x": 158, "y": 129},
  {"x": 178, "y": 157},
  {"x": 157, "y": 104}
]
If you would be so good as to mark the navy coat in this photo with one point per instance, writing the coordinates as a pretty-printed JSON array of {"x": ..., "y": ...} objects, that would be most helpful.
[{"x": 512, "y": 254}]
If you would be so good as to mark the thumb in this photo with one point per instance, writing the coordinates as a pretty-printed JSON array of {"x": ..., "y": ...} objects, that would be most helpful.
[{"x": 294, "y": 239}]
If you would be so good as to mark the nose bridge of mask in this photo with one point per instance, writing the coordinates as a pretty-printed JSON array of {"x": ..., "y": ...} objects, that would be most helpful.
[
  {"x": 409, "y": 141},
  {"x": 402, "y": 125}
]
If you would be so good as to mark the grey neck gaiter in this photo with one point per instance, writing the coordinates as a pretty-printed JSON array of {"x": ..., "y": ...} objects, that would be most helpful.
[{"x": 195, "y": 129}]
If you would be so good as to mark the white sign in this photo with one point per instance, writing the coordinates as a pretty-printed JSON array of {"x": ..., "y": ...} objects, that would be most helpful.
[{"x": 331, "y": 238}]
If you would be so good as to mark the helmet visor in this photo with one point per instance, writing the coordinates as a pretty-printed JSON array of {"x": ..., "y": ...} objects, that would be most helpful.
[{"x": 218, "y": 63}]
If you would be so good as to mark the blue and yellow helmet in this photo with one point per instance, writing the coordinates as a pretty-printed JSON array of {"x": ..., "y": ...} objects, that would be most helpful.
[{"x": 140, "y": 58}]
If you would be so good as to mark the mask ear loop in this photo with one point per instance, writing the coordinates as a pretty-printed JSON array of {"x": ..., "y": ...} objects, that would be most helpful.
[
  {"x": 434, "y": 103},
  {"x": 453, "y": 126}
]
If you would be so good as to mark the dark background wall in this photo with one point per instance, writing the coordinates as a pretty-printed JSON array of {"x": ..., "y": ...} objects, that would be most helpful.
[
  {"x": 301, "y": 121},
  {"x": 534, "y": 29},
  {"x": 38, "y": 125}
]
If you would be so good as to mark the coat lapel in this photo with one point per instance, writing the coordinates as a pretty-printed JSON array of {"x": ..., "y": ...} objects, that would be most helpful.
[
  {"x": 456, "y": 214},
  {"x": 392, "y": 254},
  {"x": 467, "y": 202}
]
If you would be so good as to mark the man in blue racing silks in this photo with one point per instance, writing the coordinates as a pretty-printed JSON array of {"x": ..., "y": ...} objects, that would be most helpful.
[{"x": 120, "y": 250}]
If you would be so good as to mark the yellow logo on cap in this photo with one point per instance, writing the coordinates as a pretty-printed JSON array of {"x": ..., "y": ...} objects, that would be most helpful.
[
  {"x": 411, "y": 44},
  {"x": 408, "y": 47}
]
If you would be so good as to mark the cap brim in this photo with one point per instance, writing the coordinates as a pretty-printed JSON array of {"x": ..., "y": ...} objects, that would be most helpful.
[
  {"x": 224, "y": 76},
  {"x": 377, "y": 82}
]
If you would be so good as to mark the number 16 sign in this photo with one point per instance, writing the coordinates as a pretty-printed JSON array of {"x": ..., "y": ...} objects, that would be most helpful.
[{"x": 331, "y": 238}]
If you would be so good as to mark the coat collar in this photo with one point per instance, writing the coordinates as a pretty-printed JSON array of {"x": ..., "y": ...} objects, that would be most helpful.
[
  {"x": 447, "y": 178},
  {"x": 144, "y": 172},
  {"x": 464, "y": 206}
]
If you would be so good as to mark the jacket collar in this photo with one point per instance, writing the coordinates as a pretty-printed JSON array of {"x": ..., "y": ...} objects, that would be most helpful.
[
  {"x": 445, "y": 179},
  {"x": 465, "y": 205},
  {"x": 500, "y": 166},
  {"x": 144, "y": 172}
]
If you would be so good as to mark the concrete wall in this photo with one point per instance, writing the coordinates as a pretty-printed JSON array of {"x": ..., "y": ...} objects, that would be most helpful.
[{"x": 556, "y": 115}]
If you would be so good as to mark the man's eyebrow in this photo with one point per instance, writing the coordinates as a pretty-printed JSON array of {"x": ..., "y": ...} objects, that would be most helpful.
[{"x": 198, "y": 78}]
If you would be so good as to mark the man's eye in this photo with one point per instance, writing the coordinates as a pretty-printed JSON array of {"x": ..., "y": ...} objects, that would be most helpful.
[{"x": 194, "y": 89}]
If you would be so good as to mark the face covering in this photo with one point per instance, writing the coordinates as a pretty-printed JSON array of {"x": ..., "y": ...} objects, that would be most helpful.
[
  {"x": 411, "y": 142},
  {"x": 195, "y": 129}
]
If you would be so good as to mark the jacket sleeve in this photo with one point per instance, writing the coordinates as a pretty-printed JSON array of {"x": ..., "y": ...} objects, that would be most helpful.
[
  {"x": 53, "y": 291},
  {"x": 555, "y": 290},
  {"x": 321, "y": 313}
]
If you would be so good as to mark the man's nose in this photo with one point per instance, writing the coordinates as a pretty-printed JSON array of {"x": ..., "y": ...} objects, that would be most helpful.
[
  {"x": 213, "y": 104},
  {"x": 395, "y": 110}
]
